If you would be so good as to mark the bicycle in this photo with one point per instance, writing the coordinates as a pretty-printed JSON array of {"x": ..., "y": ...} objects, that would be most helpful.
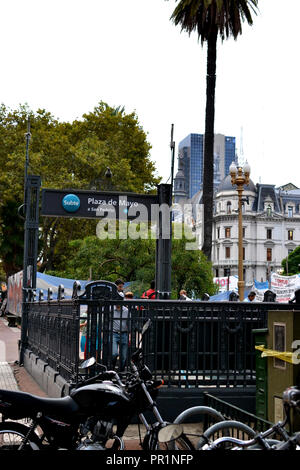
[{"x": 256, "y": 441}]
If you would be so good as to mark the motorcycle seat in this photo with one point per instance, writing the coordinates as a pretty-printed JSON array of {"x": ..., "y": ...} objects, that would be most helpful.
[{"x": 21, "y": 404}]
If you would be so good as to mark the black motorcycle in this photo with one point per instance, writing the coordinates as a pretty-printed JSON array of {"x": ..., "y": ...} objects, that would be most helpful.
[{"x": 94, "y": 416}]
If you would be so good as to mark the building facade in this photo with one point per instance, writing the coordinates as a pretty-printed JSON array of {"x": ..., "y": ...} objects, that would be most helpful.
[{"x": 271, "y": 228}]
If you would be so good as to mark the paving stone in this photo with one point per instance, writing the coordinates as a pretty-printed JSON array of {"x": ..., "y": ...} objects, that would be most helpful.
[{"x": 7, "y": 379}]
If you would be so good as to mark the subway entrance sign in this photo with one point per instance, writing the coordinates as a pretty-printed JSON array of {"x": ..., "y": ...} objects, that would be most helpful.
[{"x": 96, "y": 204}]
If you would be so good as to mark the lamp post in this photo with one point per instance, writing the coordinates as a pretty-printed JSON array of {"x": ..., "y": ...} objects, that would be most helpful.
[
  {"x": 103, "y": 183},
  {"x": 240, "y": 177}
]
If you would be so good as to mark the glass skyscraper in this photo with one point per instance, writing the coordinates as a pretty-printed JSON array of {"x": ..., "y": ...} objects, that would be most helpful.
[{"x": 189, "y": 178}]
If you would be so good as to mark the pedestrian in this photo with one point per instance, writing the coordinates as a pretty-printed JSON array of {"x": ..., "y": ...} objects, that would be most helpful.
[
  {"x": 183, "y": 295},
  {"x": 251, "y": 297},
  {"x": 205, "y": 297},
  {"x": 120, "y": 334},
  {"x": 83, "y": 330},
  {"x": 129, "y": 295},
  {"x": 120, "y": 286},
  {"x": 3, "y": 298},
  {"x": 150, "y": 293}
]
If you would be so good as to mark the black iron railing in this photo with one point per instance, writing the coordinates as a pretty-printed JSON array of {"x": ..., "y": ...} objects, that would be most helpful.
[
  {"x": 189, "y": 344},
  {"x": 232, "y": 412}
]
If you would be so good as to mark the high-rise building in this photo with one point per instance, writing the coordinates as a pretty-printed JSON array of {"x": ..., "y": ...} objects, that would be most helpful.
[{"x": 189, "y": 178}]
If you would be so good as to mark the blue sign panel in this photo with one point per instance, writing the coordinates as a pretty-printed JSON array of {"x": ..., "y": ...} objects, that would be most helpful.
[{"x": 71, "y": 203}]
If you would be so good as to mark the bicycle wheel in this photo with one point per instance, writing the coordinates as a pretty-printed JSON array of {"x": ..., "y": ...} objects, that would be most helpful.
[
  {"x": 193, "y": 426},
  {"x": 12, "y": 435},
  {"x": 224, "y": 429}
]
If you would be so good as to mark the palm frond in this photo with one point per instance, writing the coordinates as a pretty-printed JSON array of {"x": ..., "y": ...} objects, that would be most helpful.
[{"x": 206, "y": 17}]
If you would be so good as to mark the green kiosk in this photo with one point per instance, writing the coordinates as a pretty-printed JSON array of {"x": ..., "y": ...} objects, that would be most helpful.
[{"x": 277, "y": 364}]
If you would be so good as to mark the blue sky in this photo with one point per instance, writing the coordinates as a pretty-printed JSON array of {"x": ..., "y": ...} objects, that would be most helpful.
[{"x": 67, "y": 55}]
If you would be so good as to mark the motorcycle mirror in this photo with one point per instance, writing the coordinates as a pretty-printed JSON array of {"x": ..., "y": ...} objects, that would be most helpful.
[
  {"x": 88, "y": 363},
  {"x": 146, "y": 326},
  {"x": 170, "y": 432}
]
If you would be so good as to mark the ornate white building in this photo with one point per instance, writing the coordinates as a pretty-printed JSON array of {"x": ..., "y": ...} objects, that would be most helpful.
[{"x": 271, "y": 228}]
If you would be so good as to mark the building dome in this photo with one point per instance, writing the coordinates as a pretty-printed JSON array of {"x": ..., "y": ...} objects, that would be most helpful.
[
  {"x": 226, "y": 185},
  {"x": 179, "y": 174}
]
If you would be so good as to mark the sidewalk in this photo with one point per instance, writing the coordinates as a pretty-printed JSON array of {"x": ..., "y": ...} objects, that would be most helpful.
[
  {"x": 12, "y": 376},
  {"x": 15, "y": 377}
]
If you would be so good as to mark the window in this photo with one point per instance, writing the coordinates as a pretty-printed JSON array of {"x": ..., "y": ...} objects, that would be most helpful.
[
  {"x": 244, "y": 252},
  {"x": 269, "y": 254},
  {"x": 218, "y": 232},
  {"x": 269, "y": 234},
  {"x": 244, "y": 232},
  {"x": 290, "y": 211},
  {"x": 226, "y": 272},
  {"x": 228, "y": 207},
  {"x": 227, "y": 252},
  {"x": 290, "y": 234},
  {"x": 227, "y": 232},
  {"x": 269, "y": 211}
]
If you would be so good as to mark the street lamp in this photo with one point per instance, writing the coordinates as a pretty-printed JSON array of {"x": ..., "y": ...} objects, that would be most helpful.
[
  {"x": 240, "y": 177},
  {"x": 103, "y": 183}
]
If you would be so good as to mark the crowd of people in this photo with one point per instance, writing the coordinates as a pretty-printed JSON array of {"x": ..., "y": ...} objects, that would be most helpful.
[
  {"x": 120, "y": 330},
  {"x": 120, "y": 325}
]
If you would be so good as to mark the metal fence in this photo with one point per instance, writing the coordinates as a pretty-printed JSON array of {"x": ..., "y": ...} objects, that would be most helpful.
[
  {"x": 232, "y": 412},
  {"x": 189, "y": 344}
]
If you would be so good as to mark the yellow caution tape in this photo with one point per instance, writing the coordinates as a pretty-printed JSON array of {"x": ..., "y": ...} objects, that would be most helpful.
[{"x": 283, "y": 355}]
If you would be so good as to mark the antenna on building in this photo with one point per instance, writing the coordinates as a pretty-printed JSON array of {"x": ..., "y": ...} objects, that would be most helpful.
[
  {"x": 241, "y": 155},
  {"x": 172, "y": 146}
]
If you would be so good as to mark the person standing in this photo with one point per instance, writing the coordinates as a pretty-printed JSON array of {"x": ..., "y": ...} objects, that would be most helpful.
[
  {"x": 83, "y": 330},
  {"x": 150, "y": 293},
  {"x": 251, "y": 297},
  {"x": 120, "y": 334},
  {"x": 3, "y": 298},
  {"x": 183, "y": 295},
  {"x": 120, "y": 286}
]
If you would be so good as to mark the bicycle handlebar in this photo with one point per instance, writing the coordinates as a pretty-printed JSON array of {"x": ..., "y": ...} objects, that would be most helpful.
[{"x": 290, "y": 444}]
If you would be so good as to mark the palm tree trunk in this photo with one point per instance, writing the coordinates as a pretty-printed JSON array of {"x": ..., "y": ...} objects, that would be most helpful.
[{"x": 208, "y": 161}]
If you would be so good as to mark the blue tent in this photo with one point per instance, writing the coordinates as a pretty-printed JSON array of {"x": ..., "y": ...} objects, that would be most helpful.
[
  {"x": 44, "y": 281},
  {"x": 223, "y": 296}
]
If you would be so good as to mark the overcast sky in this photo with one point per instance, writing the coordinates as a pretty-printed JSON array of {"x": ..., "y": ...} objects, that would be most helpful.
[{"x": 67, "y": 55}]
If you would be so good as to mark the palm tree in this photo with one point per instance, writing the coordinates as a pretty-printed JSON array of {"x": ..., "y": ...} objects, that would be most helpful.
[{"x": 211, "y": 18}]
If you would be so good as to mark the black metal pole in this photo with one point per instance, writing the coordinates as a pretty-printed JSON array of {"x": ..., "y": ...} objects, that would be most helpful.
[
  {"x": 164, "y": 242},
  {"x": 26, "y": 208},
  {"x": 24, "y": 319},
  {"x": 31, "y": 229}
]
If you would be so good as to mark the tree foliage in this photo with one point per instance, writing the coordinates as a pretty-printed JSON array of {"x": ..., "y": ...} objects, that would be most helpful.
[
  {"x": 291, "y": 264},
  {"x": 67, "y": 155},
  {"x": 134, "y": 261}
]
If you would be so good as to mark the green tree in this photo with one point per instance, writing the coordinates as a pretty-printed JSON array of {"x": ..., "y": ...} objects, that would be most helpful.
[
  {"x": 69, "y": 155},
  {"x": 11, "y": 244},
  {"x": 210, "y": 19},
  {"x": 291, "y": 264},
  {"x": 134, "y": 261}
]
